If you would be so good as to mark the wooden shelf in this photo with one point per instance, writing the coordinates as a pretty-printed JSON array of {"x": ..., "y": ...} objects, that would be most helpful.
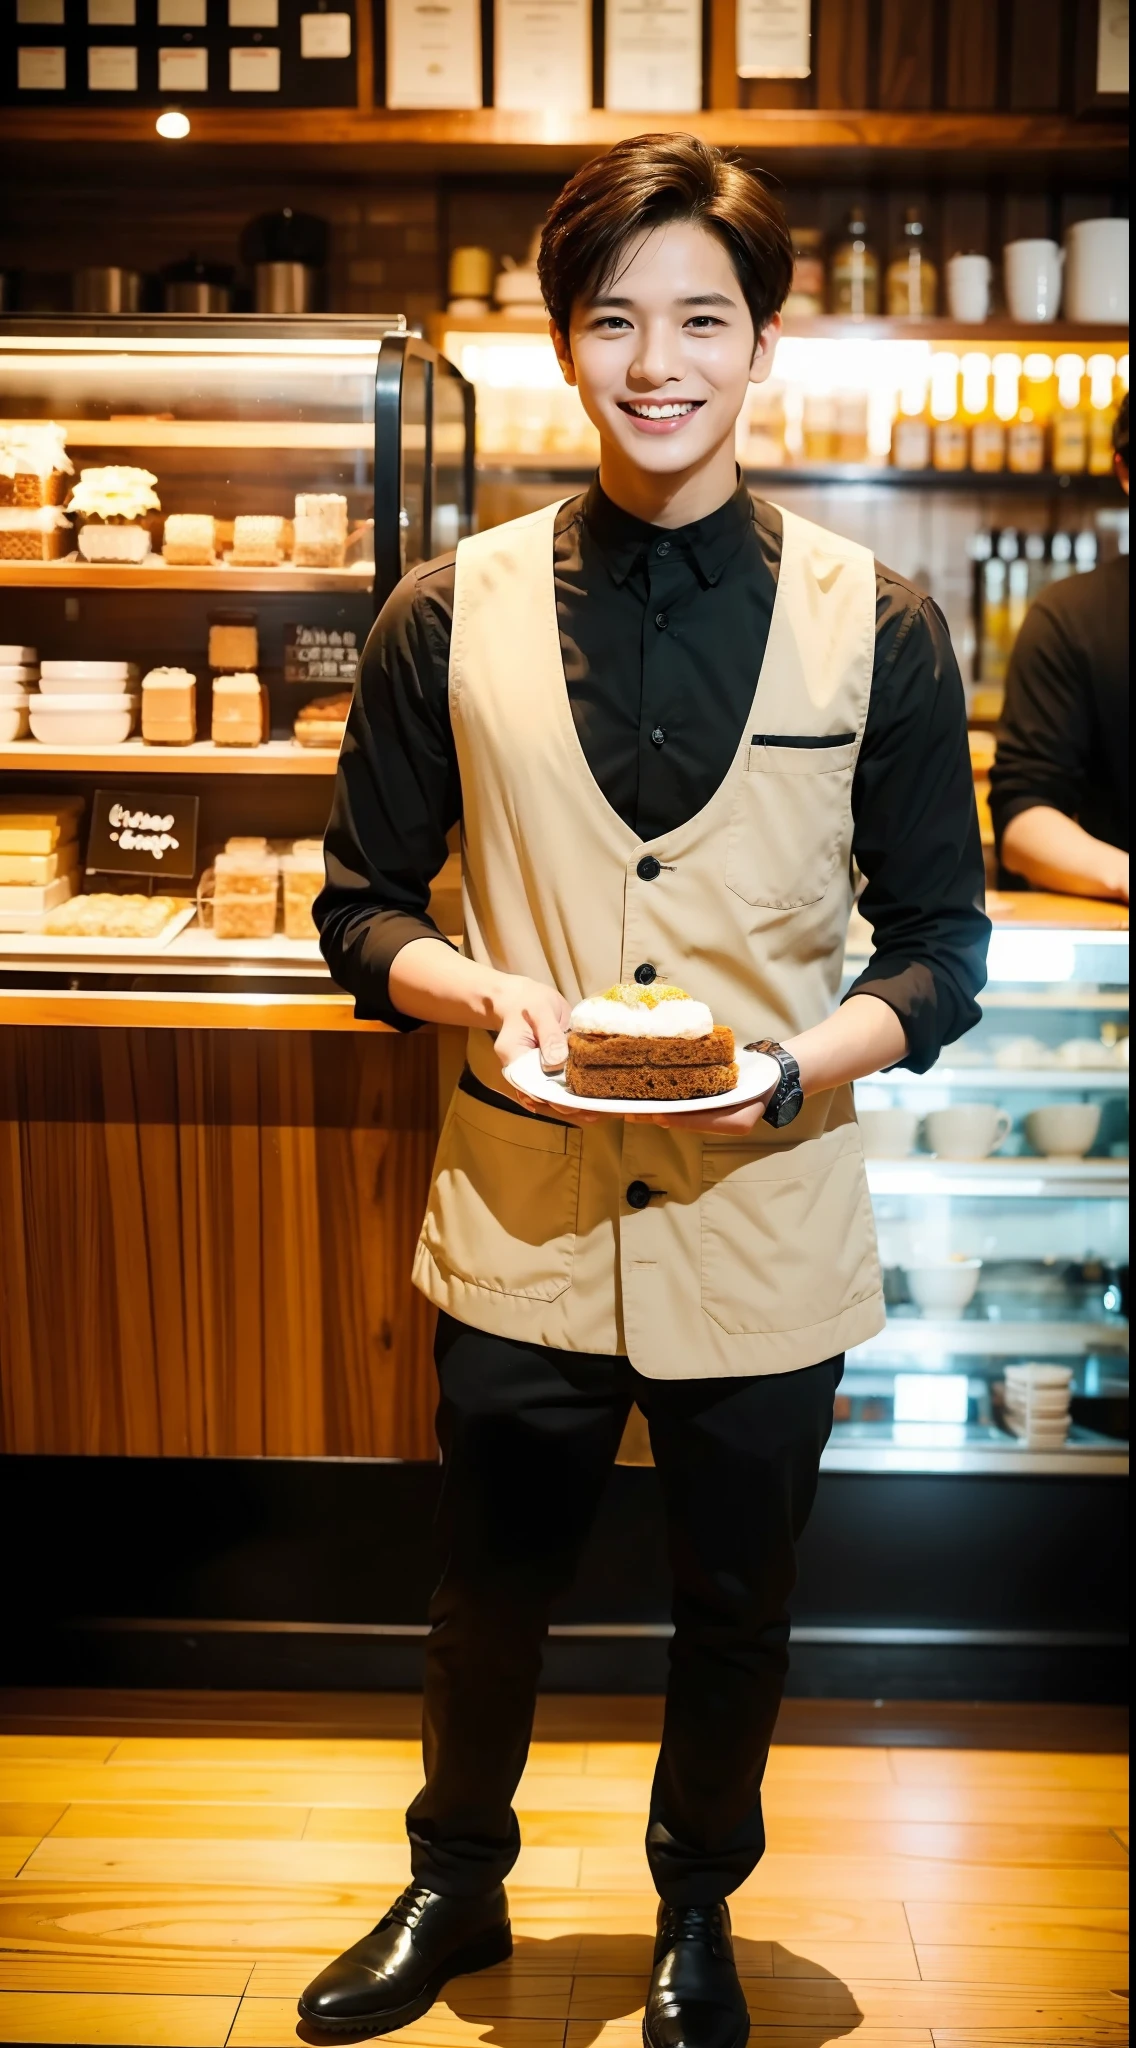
[
  {"x": 181, "y": 1010},
  {"x": 579, "y": 468},
  {"x": 489, "y": 137},
  {"x": 74, "y": 574},
  {"x": 134, "y": 757},
  {"x": 841, "y": 327}
]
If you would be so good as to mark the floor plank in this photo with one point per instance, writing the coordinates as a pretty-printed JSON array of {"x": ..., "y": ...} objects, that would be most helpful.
[{"x": 181, "y": 1883}]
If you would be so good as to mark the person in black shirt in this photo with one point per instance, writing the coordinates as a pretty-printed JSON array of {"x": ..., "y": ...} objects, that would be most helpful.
[{"x": 1059, "y": 785}]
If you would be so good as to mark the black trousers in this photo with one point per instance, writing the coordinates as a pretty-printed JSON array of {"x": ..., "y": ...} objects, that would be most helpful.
[{"x": 528, "y": 1436}]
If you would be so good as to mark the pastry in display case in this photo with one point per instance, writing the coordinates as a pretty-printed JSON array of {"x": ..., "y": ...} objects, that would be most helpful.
[{"x": 112, "y": 502}]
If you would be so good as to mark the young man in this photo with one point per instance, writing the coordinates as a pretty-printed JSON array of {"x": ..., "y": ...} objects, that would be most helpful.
[{"x": 669, "y": 721}]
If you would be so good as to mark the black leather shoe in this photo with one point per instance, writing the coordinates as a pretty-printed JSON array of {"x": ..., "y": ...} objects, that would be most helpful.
[
  {"x": 695, "y": 2000},
  {"x": 395, "y": 1973}
]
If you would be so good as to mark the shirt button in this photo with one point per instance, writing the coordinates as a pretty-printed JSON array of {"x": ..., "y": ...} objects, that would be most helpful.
[
  {"x": 646, "y": 974},
  {"x": 663, "y": 548},
  {"x": 649, "y": 868},
  {"x": 658, "y": 736},
  {"x": 638, "y": 1194},
  {"x": 662, "y": 621}
]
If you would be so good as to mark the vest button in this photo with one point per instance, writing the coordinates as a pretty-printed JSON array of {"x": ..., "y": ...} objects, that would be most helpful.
[
  {"x": 646, "y": 974},
  {"x": 658, "y": 736},
  {"x": 648, "y": 869},
  {"x": 663, "y": 548},
  {"x": 638, "y": 1194},
  {"x": 662, "y": 621}
]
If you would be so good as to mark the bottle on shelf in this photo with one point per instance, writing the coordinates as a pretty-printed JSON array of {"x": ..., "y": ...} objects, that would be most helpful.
[
  {"x": 912, "y": 278},
  {"x": 911, "y": 428},
  {"x": 1085, "y": 550},
  {"x": 1017, "y": 586},
  {"x": 1102, "y": 379},
  {"x": 806, "y": 293},
  {"x": 1071, "y": 418},
  {"x": 852, "y": 426},
  {"x": 993, "y": 646},
  {"x": 1060, "y": 556},
  {"x": 1036, "y": 554},
  {"x": 949, "y": 436},
  {"x": 854, "y": 271},
  {"x": 985, "y": 397},
  {"x": 1028, "y": 437},
  {"x": 818, "y": 425}
]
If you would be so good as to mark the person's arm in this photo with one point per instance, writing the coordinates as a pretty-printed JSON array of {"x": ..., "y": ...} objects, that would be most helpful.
[
  {"x": 1054, "y": 852},
  {"x": 916, "y": 841},
  {"x": 397, "y": 794},
  {"x": 1043, "y": 760}
]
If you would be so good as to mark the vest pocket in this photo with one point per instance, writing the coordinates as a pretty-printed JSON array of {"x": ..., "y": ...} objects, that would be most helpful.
[
  {"x": 792, "y": 809},
  {"x": 788, "y": 1239},
  {"x": 503, "y": 1202}
]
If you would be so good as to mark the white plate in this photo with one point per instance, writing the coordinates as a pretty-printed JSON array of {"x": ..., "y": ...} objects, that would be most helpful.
[
  {"x": 17, "y": 657},
  {"x": 86, "y": 675},
  {"x": 46, "y": 945},
  {"x": 756, "y": 1072}
]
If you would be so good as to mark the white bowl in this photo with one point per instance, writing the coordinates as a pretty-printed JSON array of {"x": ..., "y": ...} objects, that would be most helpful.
[
  {"x": 15, "y": 657},
  {"x": 943, "y": 1288},
  {"x": 13, "y": 715},
  {"x": 15, "y": 675},
  {"x": 87, "y": 720},
  {"x": 1052, "y": 1377},
  {"x": 72, "y": 676}
]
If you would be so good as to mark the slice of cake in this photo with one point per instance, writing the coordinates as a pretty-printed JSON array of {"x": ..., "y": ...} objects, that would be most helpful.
[
  {"x": 188, "y": 538},
  {"x": 259, "y": 540},
  {"x": 642, "y": 1044}
]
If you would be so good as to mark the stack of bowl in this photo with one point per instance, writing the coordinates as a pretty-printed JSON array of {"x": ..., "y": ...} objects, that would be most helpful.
[
  {"x": 85, "y": 703},
  {"x": 1037, "y": 1404},
  {"x": 19, "y": 673}
]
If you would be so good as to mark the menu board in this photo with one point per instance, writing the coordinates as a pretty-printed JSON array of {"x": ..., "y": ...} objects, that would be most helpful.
[
  {"x": 653, "y": 56},
  {"x": 184, "y": 53}
]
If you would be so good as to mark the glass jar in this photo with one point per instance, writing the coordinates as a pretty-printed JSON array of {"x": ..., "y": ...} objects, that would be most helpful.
[
  {"x": 245, "y": 883},
  {"x": 912, "y": 279},
  {"x": 302, "y": 874},
  {"x": 806, "y": 293},
  {"x": 854, "y": 272}
]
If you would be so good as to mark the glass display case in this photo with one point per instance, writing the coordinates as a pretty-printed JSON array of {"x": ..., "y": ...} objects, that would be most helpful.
[
  {"x": 1000, "y": 1187},
  {"x": 199, "y": 519}
]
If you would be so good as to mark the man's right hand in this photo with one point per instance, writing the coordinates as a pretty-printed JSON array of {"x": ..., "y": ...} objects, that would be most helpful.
[{"x": 534, "y": 1018}]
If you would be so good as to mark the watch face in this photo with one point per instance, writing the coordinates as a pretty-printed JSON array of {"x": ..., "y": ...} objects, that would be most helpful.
[{"x": 782, "y": 1112}]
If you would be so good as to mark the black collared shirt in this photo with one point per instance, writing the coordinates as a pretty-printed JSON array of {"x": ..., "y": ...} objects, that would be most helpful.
[{"x": 663, "y": 632}]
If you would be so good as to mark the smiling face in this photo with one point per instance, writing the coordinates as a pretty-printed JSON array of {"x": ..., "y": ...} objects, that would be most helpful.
[{"x": 662, "y": 356}]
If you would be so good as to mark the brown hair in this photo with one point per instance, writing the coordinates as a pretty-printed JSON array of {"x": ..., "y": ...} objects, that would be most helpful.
[{"x": 645, "y": 183}]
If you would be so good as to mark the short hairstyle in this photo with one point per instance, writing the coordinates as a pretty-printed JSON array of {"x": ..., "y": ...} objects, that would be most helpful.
[
  {"x": 648, "y": 182},
  {"x": 1120, "y": 431}
]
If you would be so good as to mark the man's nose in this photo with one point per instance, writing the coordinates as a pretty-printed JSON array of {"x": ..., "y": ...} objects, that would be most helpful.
[{"x": 660, "y": 356}]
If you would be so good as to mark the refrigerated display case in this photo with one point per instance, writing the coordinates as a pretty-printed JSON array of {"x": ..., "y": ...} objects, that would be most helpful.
[
  {"x": 1000, "y": 1186},
  {"x": 296, "y": 469}
]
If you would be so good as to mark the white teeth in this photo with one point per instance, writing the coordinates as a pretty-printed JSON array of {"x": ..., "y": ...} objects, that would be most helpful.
[{"x": 661, "y": 412}]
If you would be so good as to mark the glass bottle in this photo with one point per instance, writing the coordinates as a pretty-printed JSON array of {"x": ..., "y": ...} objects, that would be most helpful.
[
  {"x": 912, "y": 278},
  {"x": 1026, "y": 439},
  {"x": 1071, "y": 418},
  {"x": 911, "y": 428},
  {"x": 806, "y": 293},
  {"x": 1102, "y": 371},
  {"x": 949, "y": 435},
  {"x": 854, "y": 271}
]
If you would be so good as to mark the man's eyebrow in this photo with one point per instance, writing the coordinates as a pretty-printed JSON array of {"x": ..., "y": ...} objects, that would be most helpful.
[{"x": 695, "y": 299}]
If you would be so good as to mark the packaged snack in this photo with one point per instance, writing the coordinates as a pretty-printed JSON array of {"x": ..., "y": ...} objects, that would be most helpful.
[
  {"x": 240, "y": 711},
  {"x": 233, "y": 641},
  {"x": 320, "y": 530},
  {"x": 321, "y": 723},
  {"x": 244, "y": 894},
  {"x": 258, "y": 540},
  {"x": 303, "y": 877},
  {"x": 169, "y": 707}
]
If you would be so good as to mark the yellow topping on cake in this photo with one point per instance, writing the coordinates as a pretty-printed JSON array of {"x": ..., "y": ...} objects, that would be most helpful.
[{"x": 646, "y": 998}]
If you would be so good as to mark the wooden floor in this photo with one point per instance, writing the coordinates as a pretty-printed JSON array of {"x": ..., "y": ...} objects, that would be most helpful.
[{"x": 181, "y": 1887}]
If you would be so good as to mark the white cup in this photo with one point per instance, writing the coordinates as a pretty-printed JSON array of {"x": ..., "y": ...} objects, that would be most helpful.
[
  {"x": 1064, "y": 1130},
  {"x": 1031, "y": 273},
  {"x": 968, "y": 287},
  {"x": 968, "y": 1130},
  {"x": 943, "y": 1288},
  {"x": 888, "y": 1133},
  {"x": 1096, "y": 271}
]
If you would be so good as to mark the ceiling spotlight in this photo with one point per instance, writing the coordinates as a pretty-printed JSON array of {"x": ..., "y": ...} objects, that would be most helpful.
[{"x": 172, "y": 125}]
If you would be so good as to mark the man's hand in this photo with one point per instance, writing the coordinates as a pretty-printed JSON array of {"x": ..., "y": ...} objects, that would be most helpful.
[
  {"x": 534, "y": 1018},
  {"x": 728, "y": 1123}
]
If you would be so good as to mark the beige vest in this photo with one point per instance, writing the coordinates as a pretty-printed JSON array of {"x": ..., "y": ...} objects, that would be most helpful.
[{"x": 760, "y": 1256}]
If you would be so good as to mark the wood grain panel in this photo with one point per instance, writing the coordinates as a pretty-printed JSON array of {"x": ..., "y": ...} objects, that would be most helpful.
[
  {"x": 840, "y": 52},
  {"x": 1036, "y": 31},
  {"x": 906, "y": 54},
  {"x": 972, "y": 54},
  {"x": 207, "y": 1243},
  {"x": 723, "y": 67}
]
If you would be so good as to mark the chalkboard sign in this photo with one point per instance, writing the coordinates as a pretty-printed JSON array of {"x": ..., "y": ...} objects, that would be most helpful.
[{"x": 143, "y": 832}]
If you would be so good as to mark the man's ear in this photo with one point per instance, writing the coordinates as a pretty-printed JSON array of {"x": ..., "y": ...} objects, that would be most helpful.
[
  {"x": 563, "y": 353},
  {"x": 762, "y": 364}
]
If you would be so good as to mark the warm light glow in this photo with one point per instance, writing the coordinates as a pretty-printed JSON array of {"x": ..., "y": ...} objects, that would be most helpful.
[
  {"x": 1039, "y": 368},
  {"x": 1102, "y": 370},
  {"x": 1007, "y": 374},
  {"x": 975, "y": 381},
  {"x": 1122, "y": 371},
  {"x": 172, "y": 125},
  {"x": 1070, "y": 370},
  {"x": 944, "y": 385}
]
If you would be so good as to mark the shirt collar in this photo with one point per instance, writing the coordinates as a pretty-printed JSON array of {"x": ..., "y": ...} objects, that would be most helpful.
[{"x": 709, "y": 544}]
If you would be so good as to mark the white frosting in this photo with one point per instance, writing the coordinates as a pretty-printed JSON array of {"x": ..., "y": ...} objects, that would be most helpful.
[{"x": 685, "y": 1019}]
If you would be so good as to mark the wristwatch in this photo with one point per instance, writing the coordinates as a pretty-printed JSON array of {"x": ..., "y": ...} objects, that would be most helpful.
[{"x": 786, "y": 1100}]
